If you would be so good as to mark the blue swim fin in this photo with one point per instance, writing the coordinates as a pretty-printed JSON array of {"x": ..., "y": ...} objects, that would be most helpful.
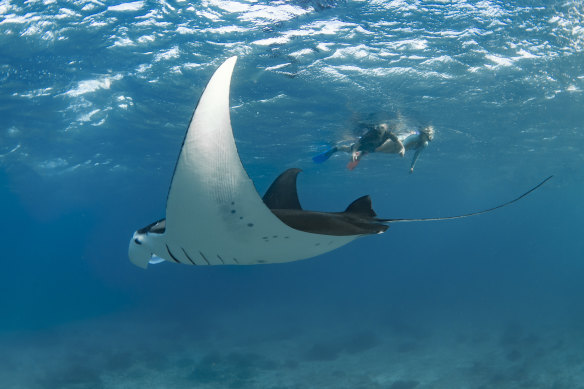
[{"x": 320, "y": 158}]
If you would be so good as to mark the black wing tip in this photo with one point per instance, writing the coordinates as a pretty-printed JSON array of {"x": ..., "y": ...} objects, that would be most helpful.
[
  {"x": 282, "y": 194},
  {"x": 362, "y": 206},
  {"x": 295, "y": 169}
]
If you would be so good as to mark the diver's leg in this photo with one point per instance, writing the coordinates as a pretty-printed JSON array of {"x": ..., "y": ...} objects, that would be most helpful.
[{"x": 394, "y": 138}]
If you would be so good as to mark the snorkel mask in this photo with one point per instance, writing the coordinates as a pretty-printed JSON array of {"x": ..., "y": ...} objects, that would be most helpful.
[{"x": 429, "y": 132}]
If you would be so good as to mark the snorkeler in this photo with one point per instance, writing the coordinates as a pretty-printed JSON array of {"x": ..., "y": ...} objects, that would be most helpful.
[
  {"x": 374, "y": 137},
  {"x": 380, "y": 139}
]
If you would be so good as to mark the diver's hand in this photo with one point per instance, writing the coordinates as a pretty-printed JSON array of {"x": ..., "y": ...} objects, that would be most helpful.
[{"x": 411, "y": 170}]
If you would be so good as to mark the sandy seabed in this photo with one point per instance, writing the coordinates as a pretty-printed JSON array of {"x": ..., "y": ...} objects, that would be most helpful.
[{"x": 132, "y": 351}]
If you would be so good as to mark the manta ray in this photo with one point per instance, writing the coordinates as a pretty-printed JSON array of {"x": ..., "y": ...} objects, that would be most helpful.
[{"x": 215, "y": 216}]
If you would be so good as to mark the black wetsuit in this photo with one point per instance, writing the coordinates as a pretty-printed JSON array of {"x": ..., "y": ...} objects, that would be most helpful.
[{"x": 372, "y": 139}]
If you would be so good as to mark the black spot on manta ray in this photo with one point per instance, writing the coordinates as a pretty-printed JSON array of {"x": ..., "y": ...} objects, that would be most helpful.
[
  {"x": 250, "y": 224},
  {"x": 233, "y": 211}
]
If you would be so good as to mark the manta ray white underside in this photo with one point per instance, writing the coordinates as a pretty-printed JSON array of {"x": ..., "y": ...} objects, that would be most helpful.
[{"x": 214, "y": 215}]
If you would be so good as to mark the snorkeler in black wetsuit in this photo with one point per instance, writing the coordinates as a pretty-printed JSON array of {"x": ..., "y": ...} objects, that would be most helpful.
[
  {"x": 380, "y": 139},
  {"x": 374, "y": 137}
]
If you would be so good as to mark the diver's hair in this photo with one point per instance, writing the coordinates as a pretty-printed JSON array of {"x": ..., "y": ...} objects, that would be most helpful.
[
  {"x": 383, "y": 126},
  {"x": 428, "y": 131}
]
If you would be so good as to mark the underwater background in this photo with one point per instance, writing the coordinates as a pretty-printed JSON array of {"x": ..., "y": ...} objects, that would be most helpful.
[{"x": 95, "y": 99}]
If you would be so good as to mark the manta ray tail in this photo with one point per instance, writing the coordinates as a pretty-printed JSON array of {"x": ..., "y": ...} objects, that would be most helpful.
[{"x": 426, "y": 219}]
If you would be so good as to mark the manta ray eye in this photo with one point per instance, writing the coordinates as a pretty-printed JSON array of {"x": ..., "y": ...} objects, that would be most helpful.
[{"x": 137, "y": 241}]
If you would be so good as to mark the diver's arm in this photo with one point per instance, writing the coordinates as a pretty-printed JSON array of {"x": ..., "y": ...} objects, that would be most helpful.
[{"x": 416, "y": 155}]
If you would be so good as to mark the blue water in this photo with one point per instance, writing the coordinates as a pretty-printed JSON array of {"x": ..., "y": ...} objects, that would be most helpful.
[{"x": 95, "y": 99}]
